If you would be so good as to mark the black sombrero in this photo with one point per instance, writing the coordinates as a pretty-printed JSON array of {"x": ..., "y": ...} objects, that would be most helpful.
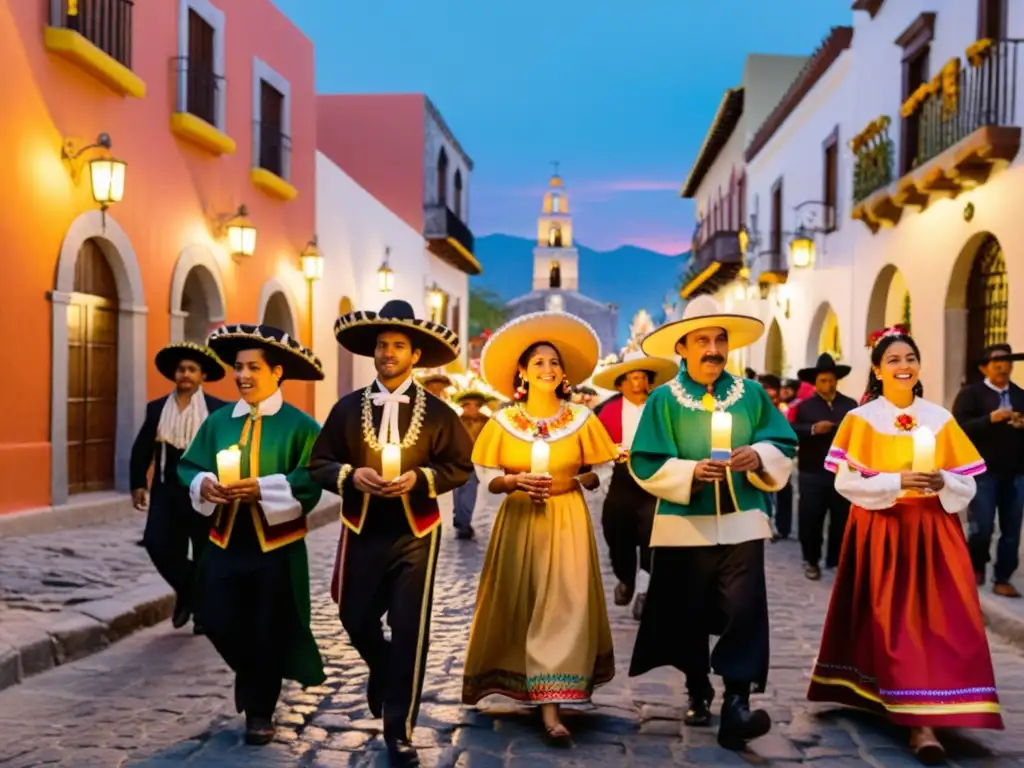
[
  {"x": 299, "y": 364},
  {"x": 168, "y": 359},
  {"x": 826, "y": 364},
  {"x": 357, "y": 332}
]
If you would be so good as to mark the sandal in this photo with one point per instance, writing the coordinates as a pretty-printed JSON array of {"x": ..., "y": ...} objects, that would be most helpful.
[
  {"x": 929, "y": 751},
  {"x": 558, "y": 735}
]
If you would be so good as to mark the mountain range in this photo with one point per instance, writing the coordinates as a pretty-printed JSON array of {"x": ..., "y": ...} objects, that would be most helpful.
[{"x": 632, "y": 277}]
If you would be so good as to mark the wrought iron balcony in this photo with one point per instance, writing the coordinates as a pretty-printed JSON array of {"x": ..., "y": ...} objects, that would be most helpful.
[
  {"x": 716, "y": 261},
  {"x": 200, "y": 89},
  {"x": 449, "y": 238},
  {"x": 274, "y": 148},
  {"x": 107, "y": 24}
]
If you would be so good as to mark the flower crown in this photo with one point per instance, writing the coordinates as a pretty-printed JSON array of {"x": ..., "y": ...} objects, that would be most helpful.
[{"x": 892, "y": 330}]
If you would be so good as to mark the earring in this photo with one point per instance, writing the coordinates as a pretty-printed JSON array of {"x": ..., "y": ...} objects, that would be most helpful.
[
  {"x": 565, "y": 385},
  {"x": 520, "y": 392}
]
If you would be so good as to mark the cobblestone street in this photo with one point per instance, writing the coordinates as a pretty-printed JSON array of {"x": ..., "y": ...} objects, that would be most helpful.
[{"x": 162, "y": 698}]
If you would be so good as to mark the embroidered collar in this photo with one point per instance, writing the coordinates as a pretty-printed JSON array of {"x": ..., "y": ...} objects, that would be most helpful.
[
  {"x": 691, "y": 395},
  {"x": 267, "y": 407},
  {"x": 517, "y": 422}
]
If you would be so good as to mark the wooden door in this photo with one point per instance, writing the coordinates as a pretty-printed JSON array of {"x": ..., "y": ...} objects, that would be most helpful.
[{"x": 92, "y": 373}]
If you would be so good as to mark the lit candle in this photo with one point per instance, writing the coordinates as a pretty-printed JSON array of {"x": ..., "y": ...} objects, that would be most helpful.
[
  {"x": 229, "y": 465},
  {"x": 540, "y": 456},
  {"x": 391, "y": 462},
  {"x": 721, "y": 436},
  {"x": 924, "y": 450}
]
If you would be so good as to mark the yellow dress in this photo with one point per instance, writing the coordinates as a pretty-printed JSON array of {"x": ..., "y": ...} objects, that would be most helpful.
[{"x": 540, "y": 632}]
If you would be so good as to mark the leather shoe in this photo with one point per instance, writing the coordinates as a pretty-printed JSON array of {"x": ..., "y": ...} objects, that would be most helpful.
[
  {"x": 182, "y": 613},
  {"x": 638, "y": 605},
  {"x": 739, "y": 724},
  {"x": 698, "y": 711},
  {"x": 623, "y": 593},
  {"x": 259, "y": 730},
  {"x": 375, "y": 691},
  {"x": 402, "y": 753},
  {"x": 1005, "y": 589}
]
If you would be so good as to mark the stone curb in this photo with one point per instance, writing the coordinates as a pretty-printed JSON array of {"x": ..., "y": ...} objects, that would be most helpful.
[
  {"x": 29, "y": 647},
  {"x": 1002, "y": 619}
]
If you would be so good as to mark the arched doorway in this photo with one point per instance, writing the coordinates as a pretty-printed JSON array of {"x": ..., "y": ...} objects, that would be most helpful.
[
  {"x": 555, "y": 275},
  {"x": 278, "y": 314},
  {"x": 988, "y": 299},
  {"x": 346, "y": 367},
  {"x": 92, "y": 379},
  {"x": 889, "y": 303},
  {"x": 774, "y": 350},
  {"x": 197, "y": 295},
  {"x": 824, "y": 335}
]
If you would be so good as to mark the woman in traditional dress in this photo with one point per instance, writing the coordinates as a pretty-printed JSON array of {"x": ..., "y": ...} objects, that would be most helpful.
[
  {"x": 540, "y": 633},
  {"x": 904, "y": 635}
]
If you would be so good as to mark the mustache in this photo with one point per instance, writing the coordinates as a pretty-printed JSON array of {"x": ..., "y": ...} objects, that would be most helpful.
[{"x": 713, "y": 358}]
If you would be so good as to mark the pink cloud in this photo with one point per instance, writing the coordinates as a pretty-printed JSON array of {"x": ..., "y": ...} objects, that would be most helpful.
[
  {"x": 666, "y": 244},
  {"x": 636, "y": 185}
]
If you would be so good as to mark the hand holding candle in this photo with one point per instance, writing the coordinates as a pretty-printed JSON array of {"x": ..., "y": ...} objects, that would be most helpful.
[
  {"x": 391, "y": 462},
  {"x": 229, "y": 465}
]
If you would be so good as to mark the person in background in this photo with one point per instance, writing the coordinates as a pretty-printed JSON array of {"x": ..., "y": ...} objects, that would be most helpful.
[
  {"x": 750, "y": 373},
  {"x": 436, "y": 384},
  {"x": 782, "y": 501},
  {"x": 170, "y": 426},
  {"x": 815, "y": 424},
  {"x": 471, "y": 402},
  {"x": 991, "y": 412}
]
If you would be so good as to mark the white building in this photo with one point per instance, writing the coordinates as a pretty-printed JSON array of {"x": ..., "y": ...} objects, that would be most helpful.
[
  {"x": 913, "y": 214},
  {"x": 358, "y": 235}
]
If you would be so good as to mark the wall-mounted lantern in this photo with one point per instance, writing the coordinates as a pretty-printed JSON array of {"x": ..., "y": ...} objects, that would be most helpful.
[
  {"x": 106, "y": 173},
  {"x": 312, "y": 261},
  {"x": 385, "y": 277},
  {"x": 241, "y": 233},
  {"x": 435, "y": 298}
]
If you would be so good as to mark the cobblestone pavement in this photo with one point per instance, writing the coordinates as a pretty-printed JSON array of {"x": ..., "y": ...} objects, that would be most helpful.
[{"x": 162, "y": 698}]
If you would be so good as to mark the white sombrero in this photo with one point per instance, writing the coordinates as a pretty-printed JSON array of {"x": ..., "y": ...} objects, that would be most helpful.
[
  {"x": 576, "y": 342},
  {"x": 662, "y": 370},
  {"x": 702, "y": 312}
]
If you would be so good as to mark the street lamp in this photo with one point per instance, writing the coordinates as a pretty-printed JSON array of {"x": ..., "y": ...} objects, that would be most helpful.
[
  {"x": 106, "y": 173},
  {"x": 241, "y": 233},
  {"x": 312, "y": 261},
  {"x": 801, "y": 249},
  {"x": 435, "y": 298},
  {"x": 385, "y": 277}
]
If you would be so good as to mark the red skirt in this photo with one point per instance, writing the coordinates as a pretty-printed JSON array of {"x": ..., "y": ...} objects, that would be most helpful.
[{"x": 904, "y": 635}]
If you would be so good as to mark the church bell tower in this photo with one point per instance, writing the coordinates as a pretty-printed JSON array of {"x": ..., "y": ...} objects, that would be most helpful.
[{"x": 555, "y": 259}]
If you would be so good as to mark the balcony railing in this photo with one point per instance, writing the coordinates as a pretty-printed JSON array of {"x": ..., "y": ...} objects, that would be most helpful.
[
  {"x": 874, "y": 163},
  {"x": 722, "y": 247},
  {"x": 199, "y": 90},
  {"x": 985, "y": 95},
  {"x": 440, "y": 226},
  {"x": 274, "y": 148},
  {"x": 107, "y": 24}
]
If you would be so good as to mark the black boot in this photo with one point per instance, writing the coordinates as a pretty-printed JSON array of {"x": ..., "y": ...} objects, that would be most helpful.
[
  {"x": 182, "y": 612},
  {"x": 700, "y": 694},
  {"x": 258, "y": 730},
  {"x": 624, "y": 593},
  {"x": 738, "y": 724},
  {"x": 401, "y": 752},
  {"x": 375, "y": 686}
]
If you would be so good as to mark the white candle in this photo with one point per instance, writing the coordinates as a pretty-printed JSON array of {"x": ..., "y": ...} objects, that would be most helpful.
[
  {"x": 924, "y": 450},
  {"x": 540, "y": 456},
  {"x": 721, "y": 435},
  {"x": 229, "y": 465},
  {"x": 391, "y": 462}
]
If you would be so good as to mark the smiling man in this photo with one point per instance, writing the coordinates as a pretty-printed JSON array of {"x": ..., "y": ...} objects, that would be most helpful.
[
  {"x": 712, "y": 517},
  {"x": 254, "y": 577},
  {"x": 389, "y": 451}
]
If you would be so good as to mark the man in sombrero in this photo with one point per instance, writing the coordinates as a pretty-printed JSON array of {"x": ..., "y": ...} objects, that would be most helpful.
[
  {"x": 436, "y": 384},
  {"x": 712, "y": 517},
  {"x": 246, "y": 471},
  {"x": 628, "y": 513},
  {"x": 815, "y": 423},
  {"x": 389, "y": 451},
  {"x": 170, "y": 425},
  {"x": 471, "y": 403}
]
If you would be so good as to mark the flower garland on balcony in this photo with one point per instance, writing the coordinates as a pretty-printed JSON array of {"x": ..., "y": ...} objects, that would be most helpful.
[
  {"x": 872, "y": 130},
  {"x": 978, "y": 51},
  {"x": 947, "y": 82}
]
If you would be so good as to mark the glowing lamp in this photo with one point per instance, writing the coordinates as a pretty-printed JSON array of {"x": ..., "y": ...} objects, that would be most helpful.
[
  {"x": 435, "y": 298},
  {"x": 107, "y": 177},
  {"x": 241, "y": 234},
  {"x": 801, "y": 250},
  {"x": 312, "y": 262},
  {"x": 744, "y": 240},
  {"x": 385, "y": 277}
]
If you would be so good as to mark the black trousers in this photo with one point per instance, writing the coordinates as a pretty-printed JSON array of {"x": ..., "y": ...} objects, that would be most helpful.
[
  {"x": 818, "y": 498},
  {"x": 697, "y": 592},
  {"x": 170, "y": 525},
  {"x": 627, "y": 519},
  {"x": 248, "y": 610},
  {"x": 784, "y": 510},
  {"x": 391, "y": 571}
]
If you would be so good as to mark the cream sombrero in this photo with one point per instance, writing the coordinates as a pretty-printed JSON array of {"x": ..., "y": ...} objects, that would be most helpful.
[
  {"x": 702, "y": 312},
  {"x": 576, "y": 342},
  {"x": 662, "y": 369},
  {"x": 299, "y": 363},
  {"x": 357, "y": 332}
]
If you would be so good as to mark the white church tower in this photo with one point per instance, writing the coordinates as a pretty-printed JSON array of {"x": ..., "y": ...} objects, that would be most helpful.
[{"x": 555, "y": 259}]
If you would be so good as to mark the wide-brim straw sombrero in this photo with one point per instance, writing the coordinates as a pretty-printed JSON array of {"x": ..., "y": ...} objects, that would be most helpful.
[
  {"x": 299, "y": 363},
  {"x": 169, "y": 358},
  {"x": 357, "y": 332},
  {"x": 662, "y": 369},
  {"x": 702, "y": 312},
  {"x": 578, "y": 348}
]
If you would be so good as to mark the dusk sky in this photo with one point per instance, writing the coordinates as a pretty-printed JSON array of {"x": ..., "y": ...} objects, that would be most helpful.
[{"x": 620, "y": 94}]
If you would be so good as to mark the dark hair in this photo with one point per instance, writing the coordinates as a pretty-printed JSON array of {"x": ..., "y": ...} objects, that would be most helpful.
[
  {"x": 622, "y": 378},
  {"x": 749, "y": 373},
  {"x": 563, "y": 393},
  {"x": 769, "y": 380},
  {"x": 272, "y": 357},
  {"x": 874, "y": 390}
]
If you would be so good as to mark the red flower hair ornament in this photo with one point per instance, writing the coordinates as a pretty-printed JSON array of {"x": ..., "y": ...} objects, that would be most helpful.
[{"x": 892, "y": 330}]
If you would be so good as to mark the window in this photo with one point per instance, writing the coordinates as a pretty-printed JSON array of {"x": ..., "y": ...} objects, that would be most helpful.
[
  {"x": 555, "y": 275},
  {"x": 830, "y": 179},
  {"x": 554, "y": 237},
  {"x": 201, "y": 84},
  {"x": 556, "y": 203},
  {"x": 457, "y": 193},
  {"x": 107, "y": 24},
  {"x": 916, "y": 44},
  {"x": 272, "y": 119},
  {"x": 776, "y": 232},
  {"x": 741, "y": 201},
  {"x": 442, "y": 177}
]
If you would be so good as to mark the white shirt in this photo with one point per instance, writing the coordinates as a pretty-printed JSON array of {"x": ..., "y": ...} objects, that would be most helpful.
[{"x": 630, "y": 420}]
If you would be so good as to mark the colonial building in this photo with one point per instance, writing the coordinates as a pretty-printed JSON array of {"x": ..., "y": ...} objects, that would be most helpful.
[
  {"x": 890, "y": 172},
  {"x": 556, "y": 272},
  {"x": 399, "y": 149},
  {"x": 164, "y": 184}
]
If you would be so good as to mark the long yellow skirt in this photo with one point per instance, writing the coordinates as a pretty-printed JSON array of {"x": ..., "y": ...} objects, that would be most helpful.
[{"x": 541, "y": 631}]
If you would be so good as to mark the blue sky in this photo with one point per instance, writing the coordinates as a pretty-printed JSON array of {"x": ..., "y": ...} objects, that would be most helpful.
[{"x": 620, "y": 93}]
